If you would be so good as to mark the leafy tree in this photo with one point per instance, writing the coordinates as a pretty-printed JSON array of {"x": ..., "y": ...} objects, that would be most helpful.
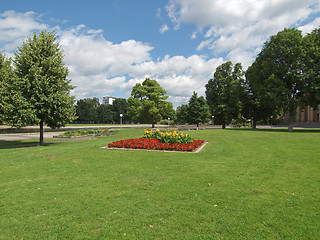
[
  {"x": 14, "y": 107},
  {"x": 167, "y": 111},
  {"x": 147, "y": 102},
  {"x": 284, "y": 77},
  {"x": 312, "y": 68},
  {"x": 42, "y": 83},
  {"x": 198, "y": 110},
  {"x": 86, "y": 110},
  {"x": 182, "y": 114},
  {"x": 105, "y": 113},
  {"x": 225, "y": 91},
  {"x": 258, "y": 104},
  {"x": 120, "y": 106}
]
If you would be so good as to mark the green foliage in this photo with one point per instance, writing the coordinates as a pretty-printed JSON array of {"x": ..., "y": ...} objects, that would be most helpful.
[
  {"x": 87, "y": 110},
  {"x": 37, "y": 89},
  {"x": 147, "y": 103},
  {"x": 44, "y": 84},
  {"x": 15, "y": 109},
  {"x": 225, "y": 92},
  {"x": 286, "y": 74},
  {"x": 168, "y": 136},
  {"x": 198, "y": 110},
  {"x": 312, "y": 68},
  {"x": 182, "y": 114},
  {"x": 120, "y": 106}
]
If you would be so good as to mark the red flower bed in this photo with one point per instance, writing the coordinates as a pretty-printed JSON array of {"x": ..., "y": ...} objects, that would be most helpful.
[{"x": 155, "y": 144}]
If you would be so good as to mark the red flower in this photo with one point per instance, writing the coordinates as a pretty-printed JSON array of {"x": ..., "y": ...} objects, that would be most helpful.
[{"x": 155, "y": 144}]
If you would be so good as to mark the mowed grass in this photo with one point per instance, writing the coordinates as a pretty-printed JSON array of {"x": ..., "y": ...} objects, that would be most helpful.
[{"x": 243, "y": 185}]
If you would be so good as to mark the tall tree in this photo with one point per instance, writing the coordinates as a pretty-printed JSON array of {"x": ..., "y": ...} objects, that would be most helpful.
[
  {"x": 146, "y": 101},
  {"x": 225, "y": 91},
  {"x": 105, "y": 113},
  {"x": 312, "y": 67},
  {"x": 120, "y": 106},
  {"x": 198, "y": 110},
  {"x": 86, "y": 110},
  {"x": 182, "y": 114},
  {"x": 44, "y": 84},
  {"x": 15, "y": 110},
  {"x": 258, "y": 104},
  {"x": 284, "y": 77}
]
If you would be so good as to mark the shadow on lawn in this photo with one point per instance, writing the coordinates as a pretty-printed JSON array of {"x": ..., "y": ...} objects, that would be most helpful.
[
  {"x": 20, "y": 144},
  {"x": 305, "y": 130}
]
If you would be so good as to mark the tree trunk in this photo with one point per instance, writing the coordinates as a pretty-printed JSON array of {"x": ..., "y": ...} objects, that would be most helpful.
[
  {"x": 153, "y": 122},
  {"x": 254, "y": 124},
  {"x": 291, "y": 121},
  {"x": 197, "y": 126},
  {"x": 41, "y": 132},
  {"x": 292, "y": 117}
]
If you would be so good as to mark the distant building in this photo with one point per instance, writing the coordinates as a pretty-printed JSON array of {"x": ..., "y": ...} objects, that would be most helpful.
[
  {"x": 306, "y": 115},
  {"x": 108, "y": 100}
]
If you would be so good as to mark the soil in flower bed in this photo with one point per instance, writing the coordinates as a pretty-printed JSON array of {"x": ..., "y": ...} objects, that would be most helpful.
[{"x": 155, "y": 144}]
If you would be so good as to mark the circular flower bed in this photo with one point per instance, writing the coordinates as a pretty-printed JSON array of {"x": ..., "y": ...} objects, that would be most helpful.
[{"x": 151, "y": 143}]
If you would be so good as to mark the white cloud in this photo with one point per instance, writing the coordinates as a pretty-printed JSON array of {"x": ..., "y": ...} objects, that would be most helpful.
[
  {"x": 16, "y": 27},
  {"x": 178, "y": 75},
  {"x": 97, "y": 65},
  {"x": 164, "y": 28},
  {"x": 240, "y": 27},
  {"x": 310, "y": 26}
]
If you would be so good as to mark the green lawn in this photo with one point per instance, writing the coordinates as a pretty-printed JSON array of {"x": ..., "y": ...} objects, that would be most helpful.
[{"x": 243, "y": 185}]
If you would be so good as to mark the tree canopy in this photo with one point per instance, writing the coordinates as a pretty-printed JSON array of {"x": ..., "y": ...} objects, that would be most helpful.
[
  {"x": 40, "y": 81},
  {"x": 286, "y": 74},
  {"x": 225, "y": 91},
  {"x": 198, "y": 110},
  {"x": 147, "y": 103}
]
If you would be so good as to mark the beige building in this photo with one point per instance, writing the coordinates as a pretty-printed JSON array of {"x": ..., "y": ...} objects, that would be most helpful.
[{"x": 306, "y": 115}]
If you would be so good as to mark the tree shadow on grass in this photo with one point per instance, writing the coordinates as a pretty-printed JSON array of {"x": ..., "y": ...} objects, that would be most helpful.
[
  {"x": 299, "y": 130},
  {"x": 22, "y": 144}
]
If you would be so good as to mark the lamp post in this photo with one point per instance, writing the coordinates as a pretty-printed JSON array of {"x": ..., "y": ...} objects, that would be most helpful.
[
  {"x": 168, "y": 122},
  {"x": 212, "y": 120},
  {"x": 121, "y": 115}
]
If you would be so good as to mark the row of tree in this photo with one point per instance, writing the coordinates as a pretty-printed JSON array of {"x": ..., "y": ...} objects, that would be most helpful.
[
  {"x": 285, "y": 75},
  {"x": 147, "y": 104},
  {"x": 34, "y": 88},
  {"x": 89, "y": 110}
]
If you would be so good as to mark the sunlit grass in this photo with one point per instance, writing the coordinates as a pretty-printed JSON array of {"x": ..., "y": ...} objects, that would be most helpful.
[{"x": 243, "y": 185}]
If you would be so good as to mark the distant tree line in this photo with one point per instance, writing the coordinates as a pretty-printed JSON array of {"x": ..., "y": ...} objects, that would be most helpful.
[
  {"x": 34, "y": 88},
  {"x": 89, "y": 110}
]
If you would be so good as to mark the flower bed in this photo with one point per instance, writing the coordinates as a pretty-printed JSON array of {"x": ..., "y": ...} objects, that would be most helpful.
[
  {"x": 157, "y": 140},
  {"x": 155, "y": 144}
]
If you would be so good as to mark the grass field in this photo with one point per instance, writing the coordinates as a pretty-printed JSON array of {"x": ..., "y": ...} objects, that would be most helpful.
[{"x": 243, "y": 185}]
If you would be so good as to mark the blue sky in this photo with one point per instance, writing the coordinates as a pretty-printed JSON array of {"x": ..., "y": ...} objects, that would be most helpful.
[{"x": 110, "y": 45}]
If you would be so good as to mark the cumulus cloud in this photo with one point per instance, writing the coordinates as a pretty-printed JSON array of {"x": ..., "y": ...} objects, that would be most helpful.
[
  {"x": 15, "y": 27},
  {"x": 97, "y": 66},
  {"x": 178, "y": 75},
  {"x": 240, "y": 27}
]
